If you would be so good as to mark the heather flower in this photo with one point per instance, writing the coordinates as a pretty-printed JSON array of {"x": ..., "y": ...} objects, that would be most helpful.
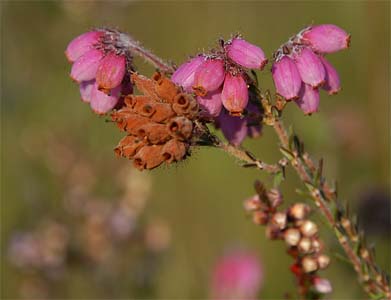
[
  {"x": 286, "y": 78},
  {"x": 326, "y": 38},
  {"x": 246, "y": 54},
  {"x": 85, "y": 66},
  {"x": 235, "y": 94},
  {"x": 211, "y": 104},
  {"x": 332, "y": 84},
  {"x": 309, "y": 99},
  {"x": 85, "y": 90},
  {"x": 322, "y": 285},
  {"x": 101, "y": 102},
  {"x": 236, "y": 275},
  {"x": 82, "y": 44},
  {"x": 184, "y": 75},
  {"x": 111, "y": 71},
  {"x": 233, "y": 128},
  {"x": 209, "y": 76},
  {"x": 310, "y": 67}
]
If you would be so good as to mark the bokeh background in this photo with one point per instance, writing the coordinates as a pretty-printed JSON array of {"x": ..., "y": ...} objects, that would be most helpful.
[{"x": 158, "y": 234}]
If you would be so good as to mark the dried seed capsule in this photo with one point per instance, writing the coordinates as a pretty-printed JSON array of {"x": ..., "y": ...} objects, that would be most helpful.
[
  {"x": 165, "y": 88},
  {"x": 309, "y": 264},
  {"x": 298, "y": 211},
  {"x": 279, "y": 219},
  {"x": 128, "y": 146},
  {"x": 308, "y": 228},
  {"x": 145, "y": 85},
  {"x": 292, "y": 236},
  {"x": 180, "y": 127},
  {"x": 323, "y": 261},
  {"x": 173, "y": 150},
  {"x": 148, "y": 157},
  {"x": 145, "y": 106},
  {"x": 154, "y": 132},
  {"x": 129, "y": 122},
  {"x": 260, "y": 217},
  {"x": 305, "y": 245}
]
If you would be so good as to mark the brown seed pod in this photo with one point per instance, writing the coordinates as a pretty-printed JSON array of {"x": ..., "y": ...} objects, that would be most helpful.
[
  {"x": 185, "y": 105},
  {"x": 145, "y": 86},
  {"x": 180, "y": 127},
  {"x": 145, "y": 106},
  {"x": 148, "y": 157},
  {"x": 155, "y": 133},
  {"x": 165, "y": 88},
  {"x": 130, "y": 123},
  {"x": 173, "y": 150},
  {"x": 128, "y": 146}
]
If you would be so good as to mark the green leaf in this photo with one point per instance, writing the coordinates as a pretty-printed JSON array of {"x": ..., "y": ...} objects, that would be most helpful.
[{"x": 278, "y": 178}]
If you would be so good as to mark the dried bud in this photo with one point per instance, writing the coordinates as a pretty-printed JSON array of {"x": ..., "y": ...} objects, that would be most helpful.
[
  {"x": 185, "y": 105},
  {"x": 235, "y": 94},
  {"x": 332, "y": 84},
  {"x": 184, "y": 75},
  {"x": 180, "y": 127},
  {"x": 309, "y": 99},
  {"x": 309, "y": 264},
  {"x": 173, "y": 150},
  {"x": 326, "y": 38},
  {"x": 246, "y": 54},
  {"x": 260, "y": 217},
  {"x": 145, "y": 86},
  {"x": 154, "y": 132},
  {"x": 209, "y": 76},
  {"x": 279, "y": 219},
  {"x": 322, "y": 285},
  {"x": 165, "y": 88},
  {"x": 292, "y": 236},
  {"x": 323, "y": 261},
  {"x": 128, "y": 121},
  {"x": 111, "y": 71},
  {"x": 148, "y": 157},
  {"x": 286, "y": 78},
  {"x": 305, "y": 245},
  {"x": 82, "y": 44},
  {"x": 298, "y": 211},
  {"x": 128, "y": 146},
  {"x": 308, "y": 228},
  {"x": 85, "y": 66},
  {"x": 310, "y": 67},
  {"x": 275, "y": 197},
  {"x": 253, "y": 203},
  {"x": 145, "y": 106}
]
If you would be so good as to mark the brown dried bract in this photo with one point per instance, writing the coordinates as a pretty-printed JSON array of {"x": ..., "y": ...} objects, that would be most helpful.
[{"x": 159, "y": 122}]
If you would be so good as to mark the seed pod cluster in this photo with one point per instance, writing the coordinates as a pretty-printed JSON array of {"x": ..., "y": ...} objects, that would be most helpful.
[
  {"x": 158, "y": 123},
  {"x": 293, "y": 226}
]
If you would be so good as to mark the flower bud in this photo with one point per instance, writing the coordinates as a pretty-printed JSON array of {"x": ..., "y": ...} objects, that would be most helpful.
[
  {"x": 211, "y": 104},
  {"x": 305, "y": 245},
  {"x": 308, "y": 228},
  {"x": 326, "y": 38},
  {"x": 82, "y": 44},
  {"x": 286, "y": 78},
  {"x": 279, "y": 219},
  {"x": 298, "y": 211},
  {"x": 209, "y": 76},
  {"x": 275, "y": 197},
  {"x": 233, "y": 128},
  {"x": 272, "y": 232},
  {"x": 252, "y": 204},
  {"x": 309, "y": 264},
  {"x": 332, "y": 84},
  {"x": 323, "y": 261},
  {"x": 111, "y": 71},
  {"x": 246, "y": 54},
  {"x": 292, "y": 236},
  {"x": 101, "y": 103},
  {"x": 184, "y": 75},
  {"x": 322, "y": 285},
  {"x": 85, "y": 66},
  {"x": 310, "y": 67},
  {"x": 86, "y": 89},
  {"x": 317, "y": 245},
  {"x": 309, "y": 99},
  {"x": 235, "y": 94},
  {"x": 260, "y": 217}
]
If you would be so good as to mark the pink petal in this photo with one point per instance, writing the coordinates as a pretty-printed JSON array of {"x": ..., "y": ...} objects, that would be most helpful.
[
  {"x": 246, "y": 54},
  {"x": 234, "y": 94},
  {"x": 184, "y": 75},
  {"x": 102, "y": 103},
  {"x": 211, "y": 104},
  {"x": 82, "y": 44},
  {"x": 86, "y": 89},
  {"x": 209, "y": 76},
  {"x": 332, "y": 84},
  {"x": 233, "y": 128},
  {"x": 85, "y": 67},
  {"x": 310, "y": 67},
  {"x": 286, "y": 78},
  {"x": 309, "y": 99},
  {"x": 111, "y": 71}
]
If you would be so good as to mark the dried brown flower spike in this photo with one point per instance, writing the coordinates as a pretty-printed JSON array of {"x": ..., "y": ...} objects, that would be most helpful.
[{"x": 159, "y": 123}]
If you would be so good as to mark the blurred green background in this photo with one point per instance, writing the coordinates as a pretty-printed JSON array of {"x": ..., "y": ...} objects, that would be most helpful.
[{"x": 201, "y": 198}]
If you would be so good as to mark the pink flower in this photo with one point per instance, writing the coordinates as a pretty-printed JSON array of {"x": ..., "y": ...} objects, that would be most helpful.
[
  {"x": 254, "y": 126},
  {"x": 184, "y": 75},
  {"x": 233, "y": 128},
  {"x": 286, "y": 78},
  {"x": 310, "y": 67},
  {"x": 309, "y": 99},
  {"x": 86, "y": 89},
  {"x": 326, "y": 38},
  {"x": 85, "y": 66},
  {"x": 100, "y": 102},
  {"x": 237, "y": 275},
  {"x": 111, "y": 71},
  {"x": 246, "y": 54},
  {"x": 322, "y": 285},
  {"x": 332, "y": 84},
  {"x": 82, "y": 44},
  {"x": 235, "y": 94},
  {"x": 210, "y": 104},
  {"x": 209, "y": 76}
]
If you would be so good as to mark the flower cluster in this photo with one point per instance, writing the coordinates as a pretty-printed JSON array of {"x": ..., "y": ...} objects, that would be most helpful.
[
  {"x": 101, "y": 65},
  {"x": 159, "y": 123},
  {"x": 299, "y": 233},
  {"x": 221, "y": 84},
  {"x": 300, "y": 67}
]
